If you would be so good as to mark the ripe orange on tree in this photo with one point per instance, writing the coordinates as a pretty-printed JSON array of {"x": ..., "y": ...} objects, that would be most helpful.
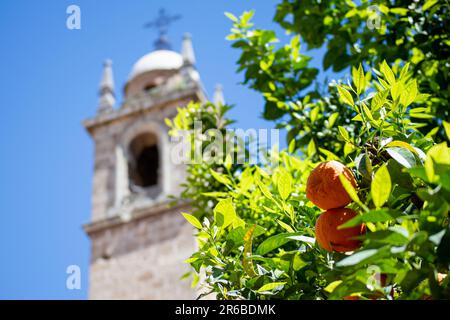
[
  {"x": 324, "y": 188},
  {"x": 330, "y": 238}
]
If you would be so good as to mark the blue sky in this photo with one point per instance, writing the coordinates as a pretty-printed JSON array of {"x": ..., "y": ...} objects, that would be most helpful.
[{"x": 49, "y": 79}]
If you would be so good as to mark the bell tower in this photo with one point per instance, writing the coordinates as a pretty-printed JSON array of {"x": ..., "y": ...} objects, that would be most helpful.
[{"x": 138, "y": 241}]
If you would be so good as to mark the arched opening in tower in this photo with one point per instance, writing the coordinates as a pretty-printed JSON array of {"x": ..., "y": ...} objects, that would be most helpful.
[{"x": 144, "y": 167}]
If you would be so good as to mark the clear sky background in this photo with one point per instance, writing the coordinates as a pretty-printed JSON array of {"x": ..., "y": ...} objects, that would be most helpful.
[{"x": 49, "y": 79}]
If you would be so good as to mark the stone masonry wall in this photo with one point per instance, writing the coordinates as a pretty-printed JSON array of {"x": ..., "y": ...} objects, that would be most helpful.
[{"x": 142, "y": 259}]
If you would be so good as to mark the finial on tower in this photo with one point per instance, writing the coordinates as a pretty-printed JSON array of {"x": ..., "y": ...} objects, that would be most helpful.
[
  {"x": 218, "y": 98},
  {"x": 106, "y": 93},
  {"x": 161, "y": 23},
  {"x": 187, "y": 50}
]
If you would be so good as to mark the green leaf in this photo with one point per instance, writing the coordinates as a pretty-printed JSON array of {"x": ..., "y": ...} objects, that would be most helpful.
[
  {"x": 274, "y": 242},
  {"x": 192, "y": 220},
  {"x": 403, "y": 156},
  {"x": 348, "y": 148},
  {"x": 215, "y": 194},
  {"x": 264, "y": 189},
  {"x": 224, "y": 213},
  {"x": 346, "y": 96},
  {"x": 379, "y": 100},
  {"x": 401, "y": 144},
  {"x": 359, "y": 79},
  {"x": 298, "y": 263},
  {"x": 247, "y": 263},
  {"x": 314, "y": 113},
  {"x": 271, "y": 111},
  {"x": 330, "y": 155},
  {"x": 295, "y": 47},
  {"x": 387, "y": 73},
  {"x": 330, "y": 288},
  {"x": 447, "y": 129},
  {"x": 271, "y": 286},
  {"x": 420, "y": 110},
  {"x": 440, "y": 153},
  {"x": 238, "y": 222},
  {"x": 437, "y": 237},
  {"x": 381, "y": 186},
  {"x": 285, "y": 226},
  {"x": 349, "y": 188},
  {"x": 429, "y": 169},
  {"x": 399, "y": 11},
  {"x": 195, "y": 279},
  {"x": 396, "y": 90},
  {"x": 232, "y": 37},
  {"x": 371, "y": 216},
  {"x": 292, "y": 146},
  {"x": 311, "y": 148},
  {"x": 220, "y": 177},
  {"x": 398, "y": 176},
  {"x": 412, "y": 279},
  {"x": 409, "y": 94},
  {"x": 228, "y": 162},
  {"x": 246, "y": 16},
  {"x": 272, "y": 86},
  {"x": 432, "y": 132},
  {"x": 237, "y": 235},
  {"x": 246, "y": 181},
  {"x": 369, "y": 114},
  {"x": 364, "y": 166},
  {"x": 404, "y": 71},
  {"x": 421, "y": 115},
  {"x": 344, "y": 134},
  {"x": 393, "y": 237},
  {"x": 428, "y": 4},
  {"x": 231, "y": 16},
  {"x": 356, "y": 258},
  {"x": 332, "y": 119},
  {"x": 284, "y": 184},
  {"x": 264, "y": 65},
  {"x": 306, "y": 239}
]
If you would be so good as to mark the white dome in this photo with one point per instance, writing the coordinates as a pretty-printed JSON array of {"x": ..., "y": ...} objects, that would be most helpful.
[{"x": 157, "y": 60}]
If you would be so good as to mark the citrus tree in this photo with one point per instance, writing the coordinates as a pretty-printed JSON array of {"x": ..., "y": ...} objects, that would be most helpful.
[{"x": 357, "y": 206}]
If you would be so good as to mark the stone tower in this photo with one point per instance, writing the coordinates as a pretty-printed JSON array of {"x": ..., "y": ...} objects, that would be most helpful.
[{"x": 138, "y": 241}]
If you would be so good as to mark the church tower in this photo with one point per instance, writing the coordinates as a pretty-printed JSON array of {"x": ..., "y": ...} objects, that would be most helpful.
[{"x": 138, "y": 241}]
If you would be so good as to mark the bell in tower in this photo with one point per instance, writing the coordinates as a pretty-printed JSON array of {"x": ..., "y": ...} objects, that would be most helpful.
[{"x": 138, "y": 241}]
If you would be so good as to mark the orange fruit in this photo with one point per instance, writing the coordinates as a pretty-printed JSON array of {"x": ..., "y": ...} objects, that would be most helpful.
[
  {"x": 330, "y": 238},
  {"x": 324, "y": 188},
  {"x": 351, "y": 298}
]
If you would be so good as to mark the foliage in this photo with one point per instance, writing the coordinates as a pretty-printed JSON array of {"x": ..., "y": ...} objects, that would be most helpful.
[
  {"x": 200, "y": 180},
  {"x": 258, "y": 240},
  {"x": 408, "y": 31},
  {"x": 255, "y": 227}
]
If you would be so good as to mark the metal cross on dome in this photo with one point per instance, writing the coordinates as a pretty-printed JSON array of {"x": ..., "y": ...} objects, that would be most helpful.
[{"x": 161, "y": 23}]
